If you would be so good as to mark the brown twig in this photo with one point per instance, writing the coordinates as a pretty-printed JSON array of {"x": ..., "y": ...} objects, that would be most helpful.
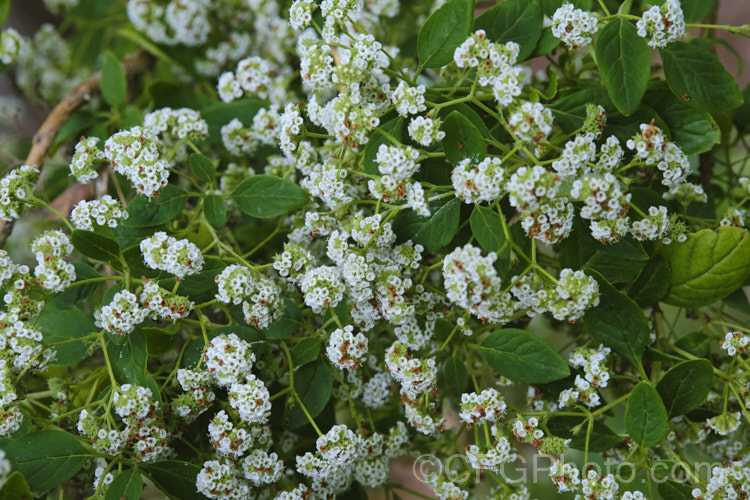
[{"x": 43, "y": 139}]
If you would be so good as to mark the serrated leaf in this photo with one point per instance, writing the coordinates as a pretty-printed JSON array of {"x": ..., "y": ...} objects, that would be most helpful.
[
  {"x": 696, "y": 76},
  {"x": 517, "y": 21},
  {"x": 710, "y": 265},
  {"x": 440, "y": 228},
  {"x": 215, "y": 210},
  {"x": 394, "y": 128},
  {"x": 95, "y": 246},
  {"x": 624, "y": 62},
  {"x": 265, "y": 196},
  {"x": 652, "y": 284},
  {"x": 47, "y": 458},
  {"x": 128, "y": 485},
  {"x": 487, "y": 228},
  {"x": 114, "y": 83},
  {"x": 444, "y": 30},
  {"x": 305, "y": 351},
  {"x": 645, "y": 416},
  {"x": 202, "y": 167},
  {"x": 313, "y": 383},
  {"x": 685, "y": 386},
  {"x": 462, "y": 139},
  {"x": 522, "y": 357},
  {"x": 455, "y": 373},
  {"x": 574, "y": 428},
  {"x": 617, "y": 322},
  {"x": 176, "y": 478}
]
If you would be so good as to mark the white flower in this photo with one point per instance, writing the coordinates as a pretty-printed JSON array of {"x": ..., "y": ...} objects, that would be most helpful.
[
  {"x": 663, "y": 24},
  {"x": 122, "y": 314},
  {"x": 104, "y": 212},
  {"x": 228, "y": 359},
  {"x": 345, "y": 349},
  {"x": 178, "y": 257},
  {"x": 476, "y": 182},
  {"x": 574, "y": 26}
]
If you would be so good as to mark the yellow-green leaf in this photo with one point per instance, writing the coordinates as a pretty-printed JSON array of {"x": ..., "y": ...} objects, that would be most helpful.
[{"x": 710, "y": 265}]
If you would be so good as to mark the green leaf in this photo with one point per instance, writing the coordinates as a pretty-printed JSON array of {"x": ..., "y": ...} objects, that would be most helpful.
[
  {"x": 219, "y": 114},
  {"x": 313, "y": 383},
  {"x": 95, "y": 246},
  {"x": 618, "y": 263},
  {"x": 440, "y": 228},
  {"x": 129, "y": 358},
  {"x": 624, "y": 61},
  {"x": 47, "y": 458},
  {"x": 523, "y": 357},
  {"x": 128, "y": 485},
  {"x": 176, "y": 478},
  {"x": 265, "y": 196},
  {"x": 696, "y": 343},
  {"x": 148, "y": 212},
  {"x": 517, "y": 21},
  {"x": 456, "y": 375},
  {"x": 394, "y": 128},
  {"x": 305, "y": 351},
  {"x": 672, "y": 490},
  {"x": 202, "y": 167},
  {"x": 65, "y": 325},
  {"x": 574, "y": 428},
  {"x": 696, "y": 76},
  {"x": 462, "y": 139},
  {"x": 114, "y": 83},
  {"x": 645, "y": 416},
  {"x": 487, "y": 228},
  {"x": 694, "y": 130},
  {"x": 4, "y": 10},
  {"x": 546, "y": 44},
  {"x": 695, "y": 10},
  {"x": 710, "y": 265},
  {"x": 76, "y": 294},
  {"x": 15, "y": 488},
  {"x": 444, "y": 30},
  {"x": 289, "y": 323},
  {"x": 570, "y": 110},
  {"x": 617, "y": 322},
  {"x": 652, "y": 284},
  {"x": 215, "y": 211},
  {"x": 685, "y": 386},
  {"x": 738, "y": 300}
]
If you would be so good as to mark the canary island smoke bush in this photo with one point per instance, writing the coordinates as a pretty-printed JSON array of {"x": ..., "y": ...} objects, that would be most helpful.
[{"x": 351, "y": 248}]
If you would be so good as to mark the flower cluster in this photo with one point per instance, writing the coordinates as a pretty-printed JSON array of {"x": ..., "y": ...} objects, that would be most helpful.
[
  {"x": 165, "y": 253},
  {"x": 476, "y": 182},
  {"x": 52, "y": 272},
  {"x": 574, "y": 26},
  {"x": 16, "y": 191},
  {"x": 735, "y": 343},
  {"x": 106, "y": 212},
  {"x": 663, "y": 24},
  {"x": 135, "y": 155}
]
